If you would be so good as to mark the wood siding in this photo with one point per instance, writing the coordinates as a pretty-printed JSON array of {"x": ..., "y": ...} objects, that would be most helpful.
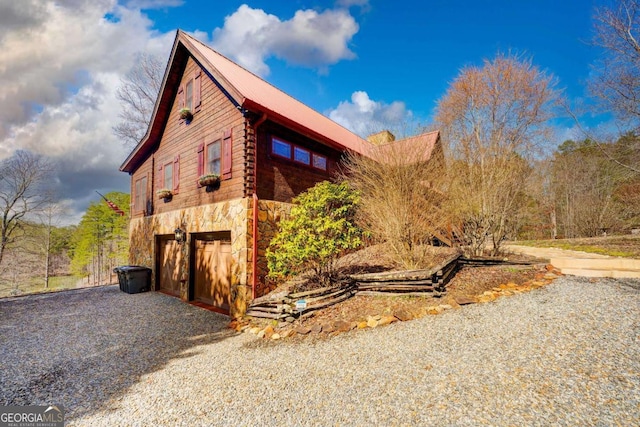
[
  {"x": 280, "y": 179},
  {"x": 180, "y": 140}
]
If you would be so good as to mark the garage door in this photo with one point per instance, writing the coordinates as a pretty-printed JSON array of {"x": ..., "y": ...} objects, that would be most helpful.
[
  {"x": 212, "y": 271},
  {"x": 169, "y": 259}
]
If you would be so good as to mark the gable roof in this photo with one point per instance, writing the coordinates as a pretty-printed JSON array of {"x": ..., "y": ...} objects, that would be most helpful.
[
  {"x": 248, "y": 92},
  {"x": 417, "y": 148}
]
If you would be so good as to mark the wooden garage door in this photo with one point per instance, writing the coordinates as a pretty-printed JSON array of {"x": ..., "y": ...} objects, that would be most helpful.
[
  {"x": 168, "y": 262},
  {"x": 213, "y": 272}
]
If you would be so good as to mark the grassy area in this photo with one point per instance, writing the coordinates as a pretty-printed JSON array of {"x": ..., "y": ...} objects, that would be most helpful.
[
  {"x": 36, "y": 285},
  {"x": 619, "y": 246}
]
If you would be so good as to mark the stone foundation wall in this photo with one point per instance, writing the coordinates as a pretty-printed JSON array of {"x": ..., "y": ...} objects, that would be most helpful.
[
  {"x": 231, "y": 215},
  {"x": 269, "y": 214}
]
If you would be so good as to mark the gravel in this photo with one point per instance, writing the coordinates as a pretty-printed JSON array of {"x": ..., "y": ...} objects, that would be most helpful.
[{"x": 566, "y": 354}]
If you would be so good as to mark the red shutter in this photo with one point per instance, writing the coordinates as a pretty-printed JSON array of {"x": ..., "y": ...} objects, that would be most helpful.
[
  {"x": 160, "y": 179},
  {"x": 181, "y": 97},
  {"x": 197, "y": 100},
  {"x": 176, "y": 174},
  {"x": 200, "y": 162},
  {"x": 226, "y": 155}
]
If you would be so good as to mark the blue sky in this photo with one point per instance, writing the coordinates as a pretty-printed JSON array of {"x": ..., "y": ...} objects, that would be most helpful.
[
  {"x": 410, "y": 53},
  {"x": 365, "y": 63}
]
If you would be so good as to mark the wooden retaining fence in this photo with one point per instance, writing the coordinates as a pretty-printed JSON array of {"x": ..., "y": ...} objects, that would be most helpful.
[
  {"x": 283, "y": 306},
  {"x": 431, "y": 282}
]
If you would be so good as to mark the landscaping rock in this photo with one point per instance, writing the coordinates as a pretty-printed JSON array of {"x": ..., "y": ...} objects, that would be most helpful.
[
  {"x": 464, "y": 300},
  {"x": 386, "y": 320},
  {"x": 302, "y": 330},
  {"x": 316, "y": 329},
  {"x": 403, "y": 315},
  {"x": 434, "y": 310},
  {"x": 328, "y": 328},
  {"x": 343, "y": 326},
  {"x": 268, "y": 331}
]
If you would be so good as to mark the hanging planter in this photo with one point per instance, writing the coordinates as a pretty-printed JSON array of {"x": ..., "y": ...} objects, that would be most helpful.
[
  {"x": 186, "y": 114},
  {"x": 165, "y": 194},
  {"x": 209, "y": 180}
]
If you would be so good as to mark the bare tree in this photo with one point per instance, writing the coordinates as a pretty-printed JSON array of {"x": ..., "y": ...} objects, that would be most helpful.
[
  {"x": 44, "y": 237},
  {"x": 23, "y": 178},
  {"x": 401, "y": 199},
  {"x": 494, "y": 119},
  {"x": 617, "y": 74},
  {"x": 137, "y": 93}
]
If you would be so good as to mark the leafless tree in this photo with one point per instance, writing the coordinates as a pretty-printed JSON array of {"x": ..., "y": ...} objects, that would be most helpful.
[
  {"x": 43, "y": 236},
  {"x": 137, "y": 94},
  {"x": 617, "y": 74},
  {"x": 494, "y": 118},
  {"x": 23, "y": 192},
  {"x": 401, "y": 199}
]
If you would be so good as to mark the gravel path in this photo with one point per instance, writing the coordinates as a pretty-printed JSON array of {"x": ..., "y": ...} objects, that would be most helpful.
[{"x": 567, "y": 354}]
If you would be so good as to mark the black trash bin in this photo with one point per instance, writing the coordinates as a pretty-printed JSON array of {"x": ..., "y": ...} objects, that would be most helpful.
[{"x": 133, "y": 279}]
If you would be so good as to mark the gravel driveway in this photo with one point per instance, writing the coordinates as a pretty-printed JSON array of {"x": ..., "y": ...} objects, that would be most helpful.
[{"x": 567, "y": 354}]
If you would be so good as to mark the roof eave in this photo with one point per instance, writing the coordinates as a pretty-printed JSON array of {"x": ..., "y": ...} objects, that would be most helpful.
[{"x": 274, "y": 116}]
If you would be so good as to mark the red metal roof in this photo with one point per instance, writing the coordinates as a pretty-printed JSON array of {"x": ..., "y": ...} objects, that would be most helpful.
[
  {"x": 258, "y": 94},
  {"x": 252, "y": 93},
  {"x": 415, "y": 148}
]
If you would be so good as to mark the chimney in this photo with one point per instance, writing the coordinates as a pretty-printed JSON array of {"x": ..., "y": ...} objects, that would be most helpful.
[{"x": 383, "y": 137}]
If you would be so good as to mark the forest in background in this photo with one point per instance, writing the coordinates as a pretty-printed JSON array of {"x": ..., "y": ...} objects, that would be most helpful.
[{"x": 45, "y": 256}]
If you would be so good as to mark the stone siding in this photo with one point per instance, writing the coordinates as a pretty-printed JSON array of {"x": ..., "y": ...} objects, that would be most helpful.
[
  {"x": 269, "y": 214},
  {"x": 231, "y": 215}
]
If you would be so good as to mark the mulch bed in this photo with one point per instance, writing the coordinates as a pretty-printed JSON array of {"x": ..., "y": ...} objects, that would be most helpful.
[{"x": 469, "y": 282}]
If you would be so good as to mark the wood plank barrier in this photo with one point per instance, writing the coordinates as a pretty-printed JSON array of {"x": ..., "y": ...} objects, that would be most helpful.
[{"x": 428, "y": 282}]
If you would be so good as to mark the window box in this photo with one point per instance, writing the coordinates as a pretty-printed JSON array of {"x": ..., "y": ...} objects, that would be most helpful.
[
  {"x": 165, "y": 194},
  {"x": 209, "y": 180},
  {"x": 186, "y": 114}
]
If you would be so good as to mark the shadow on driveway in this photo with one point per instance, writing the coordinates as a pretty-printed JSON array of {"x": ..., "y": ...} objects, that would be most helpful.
[{"x": 85, "y": 347}]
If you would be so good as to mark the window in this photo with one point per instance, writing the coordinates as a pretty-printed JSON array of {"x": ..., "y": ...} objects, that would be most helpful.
[
  {"x": 319, "y": 162},
  {"x": 168, "y": 176},
  {"x": 301, "y": 155},
  {"x": 188, "y": 95},
  {"x": 214, "y": 157},
  {"x": 140, "y": 194},
  {"x": 298, "y": 154},
  {"x": 281, "y": 148}
]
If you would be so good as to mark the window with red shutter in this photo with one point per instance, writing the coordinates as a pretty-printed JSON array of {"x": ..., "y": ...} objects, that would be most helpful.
[
  {"x": 181, "y": 97},
  {"x": 197, "y": 82},
  {"x": 160, "y": 178},
  {"x": 200, "y": 162},
  {"x": 226, "y": 155},
  {"x": 176, "y": 174}
]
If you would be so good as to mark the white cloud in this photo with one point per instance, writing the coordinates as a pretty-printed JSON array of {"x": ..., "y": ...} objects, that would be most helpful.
[
  {"x": 60, "y": 64},
  {"x": 250, "y": 36},
  {"x": 365, "y": 116}
]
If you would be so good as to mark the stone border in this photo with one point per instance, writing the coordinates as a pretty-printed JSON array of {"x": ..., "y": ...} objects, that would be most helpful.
[{"x": 285, "y": 329}]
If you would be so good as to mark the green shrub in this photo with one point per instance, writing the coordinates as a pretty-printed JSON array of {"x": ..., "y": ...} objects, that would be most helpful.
[{"x": 320, "y": 228}]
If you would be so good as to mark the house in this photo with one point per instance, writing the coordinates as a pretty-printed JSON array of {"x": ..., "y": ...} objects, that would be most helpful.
[{"x": 205, "y": 242}]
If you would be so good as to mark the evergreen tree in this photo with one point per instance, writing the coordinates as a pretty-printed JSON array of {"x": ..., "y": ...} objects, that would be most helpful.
[{"x": 101, "y": 240}]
